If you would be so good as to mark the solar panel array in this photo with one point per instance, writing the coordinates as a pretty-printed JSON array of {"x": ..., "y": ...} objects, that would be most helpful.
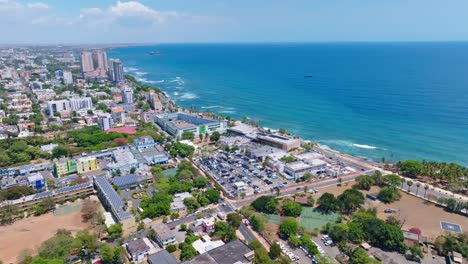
[
  {"x": 126, "y": 180},
  {"x": 113, "y": 199},
  {"x": 62, "y": 190}
]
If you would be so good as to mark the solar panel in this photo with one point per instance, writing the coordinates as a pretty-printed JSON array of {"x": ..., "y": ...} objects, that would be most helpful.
[
  {"x": 114, "y": 200},
  {"x": 125, "y": 180}
]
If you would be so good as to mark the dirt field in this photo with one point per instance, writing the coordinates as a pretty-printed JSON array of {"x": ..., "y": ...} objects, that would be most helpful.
[
  {"x": 30, "y": 232},
  {"x": 414, "y": 211}
]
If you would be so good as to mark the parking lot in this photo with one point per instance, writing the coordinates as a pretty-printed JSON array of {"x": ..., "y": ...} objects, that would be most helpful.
[{"x": 238, "y": 174}]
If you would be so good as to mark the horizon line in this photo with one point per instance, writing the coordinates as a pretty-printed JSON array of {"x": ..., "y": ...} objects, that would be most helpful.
[{"x": 227, "y": 42}]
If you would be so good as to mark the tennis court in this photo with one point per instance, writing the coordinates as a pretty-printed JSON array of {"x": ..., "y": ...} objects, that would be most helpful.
[
  {"x": 68, "y": 209},
  {"x": 311, "y": 219},
  {"x": 274, "y": 219}
]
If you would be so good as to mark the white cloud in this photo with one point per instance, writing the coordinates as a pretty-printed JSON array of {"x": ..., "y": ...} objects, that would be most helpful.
[
  {"x": 123, "y": 21},
  {"x": 38, "y": 5}
]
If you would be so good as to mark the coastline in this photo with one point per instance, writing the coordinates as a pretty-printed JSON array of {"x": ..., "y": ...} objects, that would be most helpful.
[{"x": 362, "y": 161}]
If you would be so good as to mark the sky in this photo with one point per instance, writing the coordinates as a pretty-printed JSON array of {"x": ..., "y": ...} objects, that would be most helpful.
[{"x": 189, "y": 21}]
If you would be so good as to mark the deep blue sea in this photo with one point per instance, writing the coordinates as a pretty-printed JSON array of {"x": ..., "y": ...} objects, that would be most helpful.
[{"x": 392, "y": 100}]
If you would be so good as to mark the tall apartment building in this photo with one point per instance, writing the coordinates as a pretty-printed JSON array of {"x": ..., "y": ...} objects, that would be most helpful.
[
  {"x": 105, "y": 121},
  {"x": 100, "y": 60},
  {"x": 127, "y": 95},
  {"x": 58, "y": 106},
  {"x": 81, "y": 103},
  {"x": 116, "y": 70},
  {"x": 118, "y": 115},
  {"x": 87, "y": 64},
  {"x": 94, "y": 64},
  {"x": 67, "y": 77}
]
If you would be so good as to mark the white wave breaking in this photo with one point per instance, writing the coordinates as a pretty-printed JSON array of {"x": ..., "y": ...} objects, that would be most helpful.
[{"x": 364, "y": 146}]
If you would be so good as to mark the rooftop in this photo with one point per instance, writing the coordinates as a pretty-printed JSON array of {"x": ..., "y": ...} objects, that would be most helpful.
[
  {"x": 126, "y": 180},
  {"x": 162, "y": 257},
  {"x": 118, "y": 206},
  {"x": 163, "y": 231},
  {"x": 298, "y": 165},
  {"x": 230, "y": 253},
  {"x": 137, "y": 246}
]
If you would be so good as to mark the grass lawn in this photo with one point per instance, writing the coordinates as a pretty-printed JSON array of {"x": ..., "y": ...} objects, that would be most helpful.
[{"x": 311, "y": 219}]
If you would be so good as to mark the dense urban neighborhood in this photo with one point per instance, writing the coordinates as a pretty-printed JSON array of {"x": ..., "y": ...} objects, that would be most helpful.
[{"x": 97, "y": 167}]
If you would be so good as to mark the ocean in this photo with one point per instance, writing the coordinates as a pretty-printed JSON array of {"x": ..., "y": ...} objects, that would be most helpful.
[{"x": 377, "y": 100}]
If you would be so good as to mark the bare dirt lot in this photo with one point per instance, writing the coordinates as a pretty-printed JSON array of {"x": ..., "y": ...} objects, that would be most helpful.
[
  {"x": 413, "y": 211},
  {"x": 30, "y": 232}
]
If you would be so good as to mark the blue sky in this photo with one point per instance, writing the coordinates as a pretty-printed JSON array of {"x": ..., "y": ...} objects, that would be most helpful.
[{"x": 106, "y": 21}]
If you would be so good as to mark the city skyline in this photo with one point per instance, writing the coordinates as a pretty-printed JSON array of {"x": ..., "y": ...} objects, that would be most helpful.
[{"x": 87, "y": 22}]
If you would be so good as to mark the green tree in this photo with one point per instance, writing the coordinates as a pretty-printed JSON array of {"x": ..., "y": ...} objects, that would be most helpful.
[
  {"x": 275, "y": 250},
  {"x": 200, "y": 182},
  {"x": 350, "y": 200},
  {"x": 265, "y": 204},
  {"x": 416, "y": 253},
  {"x": 192, "y": 204},
  {"x": 360, "y": 257},
  {"x": 327, "y": 203},
  {"x": 257, "y": 223},
  {"x": 187, "y": 135},
  {"x": 212, "y": 195},
  {"x": 171, "y": 248},
  {"x": 291, "y": 208},
  {"x": 61, "y": 151},
  {"x": 288, "y": 227},
  {"x": 114, "y": 231},
  {"x": 364, "y": 182},
  {"x": 215, "y": 136},
  {"x": 234, "y": 219},
  {"x": 57, "y": 247},
  {"x": 392, "y": 180},
  {"x": 410, "y": 168},
  {"x": 294, "y": 241},
  {"x": 187, "y": 251},
  {"x": 389, "y": 194},
  {"x": 310, "y": 201},
  {"x": 110, "y": 254}
]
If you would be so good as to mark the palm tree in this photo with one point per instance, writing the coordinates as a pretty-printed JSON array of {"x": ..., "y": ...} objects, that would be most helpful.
[
  {"x": 425, "y": 190},
  {"x": 277, "y": 191},
  {"x": 305, "y": 189},
  {"x": 417, "y": 188},
  {"x": 409, "y": 183},
  {"x": 340, "y": 181}
]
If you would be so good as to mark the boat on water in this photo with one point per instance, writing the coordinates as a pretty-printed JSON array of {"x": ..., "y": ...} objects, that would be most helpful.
[
  {"x": 154, "y": 53},
  {"x": 308, "y": 76}
]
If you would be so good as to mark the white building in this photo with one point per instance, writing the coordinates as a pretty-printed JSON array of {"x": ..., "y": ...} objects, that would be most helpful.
[
  {"x": 105, "y": 121},
  {"x": 127, "y": 95},
  {"x": 58, "y": 106},
  {"x": 67, "y": 77},
  {"x": 81, "y": 103}
]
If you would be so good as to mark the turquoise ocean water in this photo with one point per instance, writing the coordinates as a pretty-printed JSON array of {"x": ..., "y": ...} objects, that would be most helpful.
[{"x": 392, "y": 100}]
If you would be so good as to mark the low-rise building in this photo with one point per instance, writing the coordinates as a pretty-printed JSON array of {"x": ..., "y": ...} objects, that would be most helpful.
[
  {"x": 63, "y": 167},
  {"x": 235, "y": 251},
  {"x": 59, "y": 195},
  {"x": 205, "y": 244},
  {"x": 144, "y": 142},
  {"x": 298, "y": 168},
  {"x": 178, "y": 201},
  {"x": 123, "y": 160},
  {"x": 178, "y": 123},
  {"x": 113, "y": 203},
  {"x": 37, "y": 182},
  {"x": 86, "y": 164},
  {"x": 281, "y": 142},
  {"x": 139, "y": 249},
  {"x": 162, "y": 257},
  {"x": 164, "y": 235}
]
